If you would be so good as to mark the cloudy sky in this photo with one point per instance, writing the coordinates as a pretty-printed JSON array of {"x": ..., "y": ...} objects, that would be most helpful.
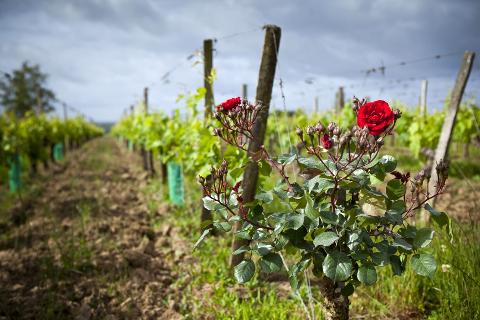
[{"x": 101, "y": 54}]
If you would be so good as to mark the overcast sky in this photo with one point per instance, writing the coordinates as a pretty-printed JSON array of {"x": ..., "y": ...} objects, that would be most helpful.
[{"x": 101, "y": 54}]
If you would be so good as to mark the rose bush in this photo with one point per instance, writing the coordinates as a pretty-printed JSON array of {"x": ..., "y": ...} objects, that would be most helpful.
[{"x": 318, "y": 220}]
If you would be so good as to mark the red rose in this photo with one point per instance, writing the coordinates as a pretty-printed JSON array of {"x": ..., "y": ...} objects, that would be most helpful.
[
  {"x": 376, "y": 116},
  {"x": 230, "y": 104},
  {"x": 326, "y": 141}
]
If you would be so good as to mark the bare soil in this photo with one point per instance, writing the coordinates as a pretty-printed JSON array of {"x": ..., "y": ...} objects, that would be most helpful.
[{"x": 84, "y": 247}]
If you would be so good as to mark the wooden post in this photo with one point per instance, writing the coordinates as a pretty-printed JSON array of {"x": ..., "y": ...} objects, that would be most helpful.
[
  {"x": 263, "y": 96},
  {"x": 423, "y": 98},
  {"x": 206, "y": 215},
  {"x": 132, "y": 111},
  {"x": 65, "y": 118},
  {"x": 148, "y": 161},
  {"x": 448, "y": 124},
  {"x": 245, "y": 91},
  {"x": 315, "y": 105},
  {"x": 339, "y": 100},
  {"x": 207, "y": 72}
]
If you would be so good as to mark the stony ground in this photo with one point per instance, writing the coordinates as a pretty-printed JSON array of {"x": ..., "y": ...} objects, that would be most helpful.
[{"x": 85, "y": 248}]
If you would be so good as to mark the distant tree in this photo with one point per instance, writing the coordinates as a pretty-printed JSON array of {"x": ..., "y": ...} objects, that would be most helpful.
[{"x": 25, "y": 90}]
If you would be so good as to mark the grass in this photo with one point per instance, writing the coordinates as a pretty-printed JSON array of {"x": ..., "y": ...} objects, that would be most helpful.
[{"x": 454, "y": 291}]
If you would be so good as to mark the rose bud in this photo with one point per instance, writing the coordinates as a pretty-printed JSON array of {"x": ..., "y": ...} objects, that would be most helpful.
[
  {"x": 327, "y": 143},
  {"x": 299, "y": 133},
  {"x": 310, "y": 130},
  {"x": 332, "y": 126},
  {"x": 343, "y": 140},
  {"x": 337, "y": 131},
  {"x": 397, "y": 113},
  {"x": 201, "y": 180},
  {"x": 319, "y": 127}
]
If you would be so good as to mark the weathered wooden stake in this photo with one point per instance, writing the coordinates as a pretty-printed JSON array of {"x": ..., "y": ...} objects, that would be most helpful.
[
  {"x": 245, "y": 91},
  {"x": 423, "y": 98},
  {"x": 143, "y": 151},
  {"x": 207, "y": 73},
  {"x": 448, "y": 124},
  {"x": 339, "y": 100},
  {"x": 315, "y": 105},
  {"x": 263, "y": 96},
  {"x": 149, "y": 154},
  {"x": 206, "y": 215}
]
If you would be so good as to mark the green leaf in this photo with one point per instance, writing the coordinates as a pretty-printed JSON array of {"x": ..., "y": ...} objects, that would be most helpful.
[
  {"x": 244, "y": 271},
  {"x": 402, "y": 243},
  {"x": 389, "y": 163},
  {"x": 325, "y": 239},
  {"x": 441, "y": 219},
  {"x": 266, "y": 197},
  {"x": 223, "y": 226},
  {"x": 264, "y": 168},
  {"x": 242, "y": 249},
  {"x": 348, "y": 290},
  {"x": 395, "y": 189},
  {"x": 264, "y": 248},
  {"x": 337, "y": 266},
  {"x": 397, "y": 266},
  {"x": 271, "y": 262},
  {"x": 367, "y": 274},
  {"x": 210, "y": 204},
  {"x": 423, "y": 237},
  {"x": 202, "y": 237},
  {"x": 361, "y": 177},
  {"x": 286, "y": 159},
  {"x": 329, "y": 217},
  {"x": 292, "y": 278},
  {"x": 319, "y": 184},
  {"x": 423, "y": 264},
  {"x": 310, "y": 162},
  {"x": 294, "y": 220}
]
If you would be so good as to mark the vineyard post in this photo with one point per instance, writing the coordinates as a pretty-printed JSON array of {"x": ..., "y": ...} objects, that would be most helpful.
[
  {"x": 132, "y": 111},
  {"x": 149, "y": 153},
  {"x": 65, "y": 118},
  {"x": 143, "y": 151},
  {"x": 245, "y": 91},
  {"x": 207, "y": 80},
  {"x": 423, "y": 98},
  {"x": 315, "y": 105},
  {"x": 448, "y": 124},
  {"x": 340, "y": 100},
  {"x": 264, "y": 94},
  {"x": 206, "y": 215}
]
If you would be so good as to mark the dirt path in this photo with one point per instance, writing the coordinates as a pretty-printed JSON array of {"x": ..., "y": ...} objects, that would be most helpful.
[{"x": 87, "y": 249}]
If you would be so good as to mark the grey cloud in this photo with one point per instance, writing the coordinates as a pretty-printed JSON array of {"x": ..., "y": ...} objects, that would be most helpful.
[{"x": 100, "y": 54}]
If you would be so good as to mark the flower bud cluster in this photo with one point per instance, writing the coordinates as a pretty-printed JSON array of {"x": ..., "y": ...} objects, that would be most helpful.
[
  {"x": 442, "y": 174},
  {"x": 236, "y": 121},
  {"x": 216, "y": 182}
]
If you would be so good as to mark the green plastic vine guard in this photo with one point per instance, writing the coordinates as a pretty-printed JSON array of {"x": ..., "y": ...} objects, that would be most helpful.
[
  {"x": 130, "y": 145},
  {"x": 58, "y": 152},
  {"x": 14, "y": 173},
  {"x": 175, "y": 183}
]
